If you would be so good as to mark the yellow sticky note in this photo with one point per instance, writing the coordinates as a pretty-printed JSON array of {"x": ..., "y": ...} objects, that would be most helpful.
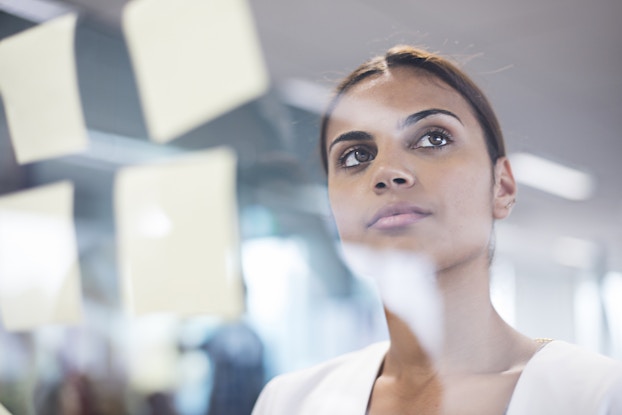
[
  {"x": 40, "y": 90},
  {"x": 194, "y": 60},
  {"x": 4, "y": 411},
  {"x": 39, "y": 270},
  {"x": 177, "y": 236}
]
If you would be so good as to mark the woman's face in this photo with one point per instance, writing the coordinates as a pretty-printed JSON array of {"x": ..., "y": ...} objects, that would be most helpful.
[{"x": 408, "y": 169}]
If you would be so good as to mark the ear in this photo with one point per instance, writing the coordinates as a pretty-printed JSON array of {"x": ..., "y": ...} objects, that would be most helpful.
[{"x": 504, "y": 191}]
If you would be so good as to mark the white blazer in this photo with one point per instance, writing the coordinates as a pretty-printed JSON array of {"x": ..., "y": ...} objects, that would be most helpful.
[{"x": 560, "y": 379}]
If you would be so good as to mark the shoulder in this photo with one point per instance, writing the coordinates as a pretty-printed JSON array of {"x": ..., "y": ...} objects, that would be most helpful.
[
  {"x": 565, "y": 378},
  {"x": 563, "y": 360},
  {"x": 343, "y": 381}
]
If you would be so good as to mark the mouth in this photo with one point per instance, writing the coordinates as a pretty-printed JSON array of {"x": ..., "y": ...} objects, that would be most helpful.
[{"x": 397, "y": 216}]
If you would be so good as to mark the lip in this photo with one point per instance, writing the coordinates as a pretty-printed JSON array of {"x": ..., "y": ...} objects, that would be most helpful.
[{"x": 397, "y": 215}]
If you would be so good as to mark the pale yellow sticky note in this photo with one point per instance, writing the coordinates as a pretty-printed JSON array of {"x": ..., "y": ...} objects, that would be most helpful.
[
  {"x": 194, "y": 60},
  {"x": 40, "y": 90},
  {"x": 177, "y": 236},
  {"x": 4, "y": 411},
  {"x": 39, "y": 270}
]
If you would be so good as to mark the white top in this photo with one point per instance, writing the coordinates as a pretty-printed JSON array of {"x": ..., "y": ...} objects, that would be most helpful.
[{"x": 560, "y": 379}]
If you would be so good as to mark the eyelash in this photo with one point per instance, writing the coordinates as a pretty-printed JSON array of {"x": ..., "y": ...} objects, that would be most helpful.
[
  {"x": 432, "y": 132},
  {"x": 428, "y": 133},
  {"x": 341, "y": 162}
]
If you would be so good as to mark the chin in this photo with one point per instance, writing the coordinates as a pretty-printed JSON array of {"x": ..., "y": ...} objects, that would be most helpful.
[{"x": 397, "y": 243}]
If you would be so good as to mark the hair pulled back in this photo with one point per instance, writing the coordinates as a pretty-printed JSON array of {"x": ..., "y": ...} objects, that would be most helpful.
[{"x": 435, "y": 65}]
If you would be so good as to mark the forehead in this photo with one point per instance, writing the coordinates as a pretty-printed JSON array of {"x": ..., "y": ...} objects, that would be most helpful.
[{"x": 383, "y": 100}]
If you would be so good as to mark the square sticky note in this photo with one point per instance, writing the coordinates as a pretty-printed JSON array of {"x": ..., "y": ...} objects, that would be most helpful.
[
  {"x": 177, "y": 236},
  {"x": 4, "y": 411},
  {"x": 194, "y": 60},
  {"x": 39, "y": 270},
  {"x": 40, "y": 91}
]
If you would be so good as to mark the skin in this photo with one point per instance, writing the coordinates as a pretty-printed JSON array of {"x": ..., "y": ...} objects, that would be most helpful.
[{"x": 404, "y": 142}]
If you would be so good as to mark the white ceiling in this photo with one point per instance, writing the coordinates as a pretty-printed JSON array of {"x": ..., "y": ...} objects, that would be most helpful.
[{"x": 553, "y": 70}]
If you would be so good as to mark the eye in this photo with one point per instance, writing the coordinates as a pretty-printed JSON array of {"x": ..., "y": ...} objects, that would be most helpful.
[
  {"x": 434, "y": 139},
  {"x": 355, "y": 157}
]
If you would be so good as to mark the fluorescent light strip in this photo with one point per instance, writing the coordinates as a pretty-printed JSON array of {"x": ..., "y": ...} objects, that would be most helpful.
[
  {"x": 305, "y": 95},
  {"x": 551, "y": 177},
  {"x": 107, "y": 151},
  {"x": 575, "y": 252}
]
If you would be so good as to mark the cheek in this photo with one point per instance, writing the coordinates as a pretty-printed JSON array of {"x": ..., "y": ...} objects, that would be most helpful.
[
  {"x": 467, "y": 191},
  {"x": 344, "y": 207}
]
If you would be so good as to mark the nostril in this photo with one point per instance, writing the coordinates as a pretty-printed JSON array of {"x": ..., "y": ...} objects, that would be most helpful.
[
  {"x": 399, "y": 180},
  {"x": 380, "y": 185}
]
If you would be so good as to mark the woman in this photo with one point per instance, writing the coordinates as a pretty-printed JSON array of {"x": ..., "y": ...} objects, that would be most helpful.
[{"x": 416, "y": 163}]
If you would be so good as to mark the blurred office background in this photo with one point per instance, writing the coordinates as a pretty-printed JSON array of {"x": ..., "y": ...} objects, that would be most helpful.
[{"x": 552, "y": 71}]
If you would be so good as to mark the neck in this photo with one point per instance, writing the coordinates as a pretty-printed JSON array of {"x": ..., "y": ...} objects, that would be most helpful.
[{"x": 474, "y": 338}]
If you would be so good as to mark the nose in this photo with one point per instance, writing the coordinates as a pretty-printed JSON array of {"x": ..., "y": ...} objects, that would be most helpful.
[{"x": 392, "y": 174}]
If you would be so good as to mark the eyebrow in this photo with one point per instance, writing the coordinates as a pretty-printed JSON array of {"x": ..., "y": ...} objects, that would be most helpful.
[
  {"x": 408, "y": 121},
  {"x": 351, "y": 136},
  {"x": 418, "y": 116}
]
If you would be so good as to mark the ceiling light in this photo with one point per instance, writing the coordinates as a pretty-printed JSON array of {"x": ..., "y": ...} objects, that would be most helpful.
[
  {"x": 551, "y": 177},
  {"x": 304, "y": 94},
  {"x": 575, "y": 252}
]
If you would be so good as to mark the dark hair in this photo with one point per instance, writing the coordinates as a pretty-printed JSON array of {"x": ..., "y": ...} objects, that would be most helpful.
[{"x": 435, "y": 65}]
